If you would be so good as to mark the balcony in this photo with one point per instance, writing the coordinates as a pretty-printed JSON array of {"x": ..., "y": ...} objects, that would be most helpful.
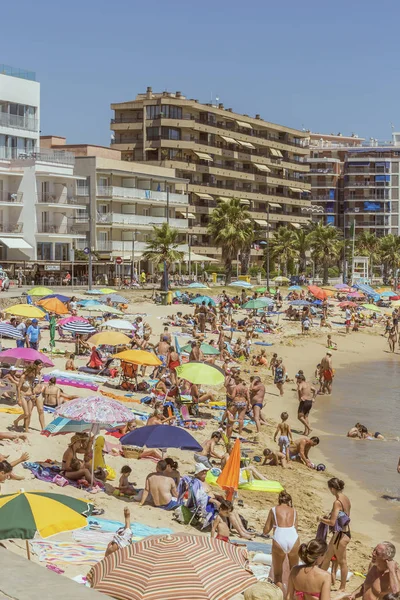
[
  {"x": 62, "y": 229},
  {"x": 323, "y": 172},
  {"x": 11, "y": 227},
  {"x": 146, "y": 196},
  {"x": 62, "y": 201},
  {"x": 131, "y": 221},
  {"x": 47, "y": 156},
  {"x": 16, "y": 72},
  {"x": 18, "y": 122},
  {"x": 9, "y": 197}
]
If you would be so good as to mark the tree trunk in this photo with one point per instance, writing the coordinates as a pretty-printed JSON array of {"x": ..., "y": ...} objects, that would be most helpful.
[
  {"x": 325, "y": 272},
  {"x": 228, "y": 272},
  {"x": 302, "y": 263},
  {"x": 245, "y": 261}
]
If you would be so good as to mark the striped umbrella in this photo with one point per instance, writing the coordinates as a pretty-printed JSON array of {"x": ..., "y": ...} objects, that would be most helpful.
[
  {"x": 63, "y": 425},
  {"x": 8, "y": 331},
  {"x": 173, "y": 567},
  {"x": 118, "y": 299},
  {"x": 74, "y": 319},
  {"x": 79, "y": 327}
]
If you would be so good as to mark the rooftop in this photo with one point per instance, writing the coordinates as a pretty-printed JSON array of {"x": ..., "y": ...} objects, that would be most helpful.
[{"x": 16, "y": 72}]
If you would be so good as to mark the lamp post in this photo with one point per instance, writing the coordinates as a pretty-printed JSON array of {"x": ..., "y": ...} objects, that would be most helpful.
[
  {"x": 133, "y": 255},
  {"x": 268, "y": 246},
  {"x": 90, "y": 273}
]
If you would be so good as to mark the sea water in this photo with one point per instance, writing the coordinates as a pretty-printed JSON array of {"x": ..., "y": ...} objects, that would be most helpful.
[{"x": 368, "y": 394}]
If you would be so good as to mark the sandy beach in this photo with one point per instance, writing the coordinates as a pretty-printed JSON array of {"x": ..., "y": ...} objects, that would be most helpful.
[{"x": 307, "y": 487}]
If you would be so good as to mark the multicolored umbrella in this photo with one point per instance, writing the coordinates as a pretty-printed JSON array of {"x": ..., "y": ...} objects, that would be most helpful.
[
  {"x": 174, "y": 567},
  {"x": 118, "y": 324},
  {"x": 40, "y": 291},
  {"x": 77, "y": 327},
  {"x": 61, "y": 425},
  {"x": 201, "y": 299},
  {"x": 317, "y": 292},
  {"x": 198, "y": 372},
  {"x": 95, "y": 410},
  {"x": 161, "y": 436},
  {"x": 74, "y": 319},
  {"x": 25, "y": 310},
  {"x": 228, "y": 480},
  {"x": 54, "y": 305},
  {"x": 139, "y": 357},
  {"x": 9, "y": 331},
  {"x": 258, "y": 303},
  {"x": 205, "y": 348},
  {"x": 109, "y": 338},
  {"x": 25, "y": 354}
]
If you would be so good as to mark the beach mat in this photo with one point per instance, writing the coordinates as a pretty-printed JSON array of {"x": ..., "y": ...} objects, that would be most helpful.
[
  {"x": 67, "y": 552},
  {"x": 139, "y": 530}
]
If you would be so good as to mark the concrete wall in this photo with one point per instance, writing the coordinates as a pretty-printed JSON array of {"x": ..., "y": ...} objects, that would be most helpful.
[{"x": 21, "y": 91}]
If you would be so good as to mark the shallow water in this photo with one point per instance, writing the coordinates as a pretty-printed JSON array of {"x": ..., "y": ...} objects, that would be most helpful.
[{"x": 369, "y": 394}]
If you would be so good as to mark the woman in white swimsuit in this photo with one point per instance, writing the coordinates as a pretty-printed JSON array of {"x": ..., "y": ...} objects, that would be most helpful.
[{"x": 283, "y": 520}]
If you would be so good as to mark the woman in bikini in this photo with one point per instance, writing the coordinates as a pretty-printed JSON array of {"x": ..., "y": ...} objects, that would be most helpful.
[
  {"x": 283, "y": 520},
  {"x": 309, "y": 581},
  {"x": 339, "y": 524},
  {"x": 72, "y": 467},
  {"x": 51, "y": 394},
  {"x": 27, "y": 390},
  {"x": 241, "y": 401},
  {"x": 173, "y": 362}
]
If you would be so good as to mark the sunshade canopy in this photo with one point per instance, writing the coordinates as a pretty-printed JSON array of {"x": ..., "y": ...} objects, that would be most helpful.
[
  {"x": 139, "y": 357},
  {"x": 109, "y": 338},
  {"x": 161, "y": 436},
  {"x": 198, "y": 372},
  {"x": 25, "y": 310}
]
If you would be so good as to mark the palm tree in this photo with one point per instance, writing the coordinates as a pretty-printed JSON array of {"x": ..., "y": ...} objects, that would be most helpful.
[
  {"x": 283, "y": 248},
  {"x": 326, "y": 245},
  {"x": 162, "y": 248},
  {"x": 367, "y": 244},
  {"x": 231, "y": 228},
  {"x": 302, "y": 244},
  {"x": 390, "y": 253}
]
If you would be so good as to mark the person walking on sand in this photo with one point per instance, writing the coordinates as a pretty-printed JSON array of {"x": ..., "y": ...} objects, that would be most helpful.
[
  {"x": 279, "y": 375},
  {"x": 257, "y": 395},
  {"x": 306, "y": 393},
  {"x": 383, "y": 577},
  {"x": 339, "y": 524},
  {"x": 308, "y": 581},
  {"x": 327, "y": 373},
  {"x": 285, "y": 435},
  {"x": 392, "y": 339},
  {"x": 283, "y": 520},
  {"x": 348, "y": 320}
]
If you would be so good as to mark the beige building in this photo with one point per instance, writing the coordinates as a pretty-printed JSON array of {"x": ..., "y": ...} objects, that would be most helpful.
[{"x": 223, "y": 155}]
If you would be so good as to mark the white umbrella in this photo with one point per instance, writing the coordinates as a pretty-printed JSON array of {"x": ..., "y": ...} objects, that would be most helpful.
[{"x": 118, "y": 324}]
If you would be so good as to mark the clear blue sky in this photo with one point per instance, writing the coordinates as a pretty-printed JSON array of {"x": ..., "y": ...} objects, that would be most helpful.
[{"x": 325, "y": 66}]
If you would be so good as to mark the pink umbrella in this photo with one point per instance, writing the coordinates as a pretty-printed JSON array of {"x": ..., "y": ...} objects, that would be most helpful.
[
  {"x": 355, "y": 295},
  {"x": 62, "y": 322},
  {"x": 95, "y": 409},
  {"x": 25, "y": 354}
]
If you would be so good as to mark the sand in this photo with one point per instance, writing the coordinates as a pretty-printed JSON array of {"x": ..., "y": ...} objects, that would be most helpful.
[{"x": 308, "y": 488}]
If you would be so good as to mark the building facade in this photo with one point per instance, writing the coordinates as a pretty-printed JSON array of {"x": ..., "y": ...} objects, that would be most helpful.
[{"x": 223, "y": 155}]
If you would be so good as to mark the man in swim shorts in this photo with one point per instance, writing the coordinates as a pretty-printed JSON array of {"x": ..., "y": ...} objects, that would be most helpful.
[
  {"x": 257, "y": 395},
  {"x": 300, "y": 449},
  {"x": 306, "y": 393},
  {"x": 161, "y": 487},
  {"x": 327, "y": 373},
  {"x": 383, "y": 576}
]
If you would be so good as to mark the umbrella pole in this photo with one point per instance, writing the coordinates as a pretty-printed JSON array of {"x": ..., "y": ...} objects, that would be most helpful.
[
  {"x": 28, "y": 550},
  {"x": 95, "y": 430}
]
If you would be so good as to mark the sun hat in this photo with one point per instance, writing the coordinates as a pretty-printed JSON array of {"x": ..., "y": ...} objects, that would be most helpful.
[{"x": 199, "y": 468}]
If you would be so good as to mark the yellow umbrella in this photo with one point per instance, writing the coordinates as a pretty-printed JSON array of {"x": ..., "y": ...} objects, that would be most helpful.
[
  {"x": 54, "y": 305},
  {"x": 26, "y": 310},
  {"x": 109, "y": 338},
  {"x": 139, "y": 357},
  {"x": 108, "y": 291}
]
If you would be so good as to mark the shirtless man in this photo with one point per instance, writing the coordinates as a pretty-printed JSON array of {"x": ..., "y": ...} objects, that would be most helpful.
[
  {"x": 383, "y": 575},
  {"x": 257, "y": 395},
  {"x": 208, "y": 452},
  {"x": 196, "y": 352},
  {"x": 327, "y": 373},
  {"x": 162, "y": 350},
  {"x": 161, "y": 487},
  {"x": 201, "y": 313},
  {"x": 300, "y": 449},
  {"x": 306, "y": 393}
]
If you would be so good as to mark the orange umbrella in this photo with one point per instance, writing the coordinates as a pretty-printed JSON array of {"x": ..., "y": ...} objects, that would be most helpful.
[
  {"x": 329, "y": 293},
  {"x": 229, "y": 478},
  {"x": 316, "y": 291},
  {"x": 54, "y": 305}
]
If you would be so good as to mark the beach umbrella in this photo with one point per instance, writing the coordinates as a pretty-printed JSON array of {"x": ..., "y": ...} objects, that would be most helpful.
[
  {"x": 329, "y": 292},
  {"x": 201, "y": 299},
  {"x": 388, "y": 294},
  {"x": 261, "y": 290},
  {"x": 367, "y": 307},
  {"x": 161, "y": 436},
  {"x": 294, "y": 287},
  {"x": 300, "y": 303},
  {"x": 40, "y": 291},
  {"x": 94, "y": 292},
  {"x": 25, "y": 310},
  {"x": 95, "y": 410},
  {"x": 89, "y": 302},
  {"x": 118, "y": 324},
  {"x": 103, "y": 308},
  {"x": 258, "y": 303},
  {"x": 108, "y": 291},
  {"x": 173, "y": 567},
  {"x": 355, "y": 295},
  {"x": 109, "y": 338},
  {"x": 26, "y": 355},
  {"x": 343, "y": 287},
  {"x": 61, "y": 425},
  {"x": 78, "y": 327},
  {"x": 198, "y": 286},
  {"x": 73, "y": 319},
  {"x": 139, "y": 357},
  {"x": 198, "y": 372},
  {"x": 59, "y": 297},
  {"x": 205, "y": 348},
  {"x": 54, "y": 305},
  {"x": 228, "y": 480},
  {"x": 118, "y": 299},
  {"x": 281, "y": 279},
  {"x": 347, "y": 304},
  {"x": 316, "y": 291},
  {"x": 9, "y": 331},
  {"x": 242, "y": 284}
]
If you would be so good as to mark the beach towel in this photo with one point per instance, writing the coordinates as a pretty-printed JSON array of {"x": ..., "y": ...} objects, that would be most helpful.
[
  {"x": 12, "y": 410},
  {"x": 109, "y": 526},
  {"x": 119, "y": 397},
  {"x": 72, "y": 382},
  {"x": 67, "y": 552}
]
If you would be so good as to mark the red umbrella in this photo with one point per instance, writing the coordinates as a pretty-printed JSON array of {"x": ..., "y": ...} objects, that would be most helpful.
[
  {"x": 347, "y": 304},
  {"x": 316, "y": 291}
]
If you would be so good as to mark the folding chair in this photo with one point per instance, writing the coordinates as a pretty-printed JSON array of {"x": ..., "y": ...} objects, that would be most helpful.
[{"x": 128, "y": 380}]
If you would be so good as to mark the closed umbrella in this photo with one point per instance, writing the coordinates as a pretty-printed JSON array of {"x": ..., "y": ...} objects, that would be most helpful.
[
  {"x": 205, "y": 348},
  {"x": 25, "y": 354},
  {"x": 40, "y": 291},
  {"x": 201, "y": 299},
  {"x": 118, "y": 324},
  {"x": 78, "y": 327},
  {"x": 8, "y": 331},
  {"x": 228, "y": 480},
  {"x": 258, "y": 303},
  {"x": 317, "y": 292},
  {"x": 54, "y": 305},
  {"x": 161, "y": 436},
  {"x": 198, "y": 372},
  {"x": 109, "y": 338},
  {"x": 25, "y": 310},
  {"x": 173, "y": 567},
  {"x": 139, "y": 357},
  {"x": 52, "y": 328}
]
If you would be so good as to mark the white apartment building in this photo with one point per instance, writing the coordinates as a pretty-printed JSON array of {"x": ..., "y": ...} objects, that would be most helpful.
[{"x": 39, "y": 206}]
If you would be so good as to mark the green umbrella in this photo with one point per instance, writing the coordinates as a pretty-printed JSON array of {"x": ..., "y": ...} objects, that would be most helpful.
[
  {"x": 258, "y": 303},
  {"x": 198, "y": 372},
  {"x": 52, "y": 327},
  {"x": 373, "y": 307},
  {"x": 261, "y": 290},
  {"x": 205, "y": 348},
  {"x": 40, "y": 291}
]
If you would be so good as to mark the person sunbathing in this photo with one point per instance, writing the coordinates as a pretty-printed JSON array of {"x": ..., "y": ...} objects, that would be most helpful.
[{"x": 162, "y": 489}]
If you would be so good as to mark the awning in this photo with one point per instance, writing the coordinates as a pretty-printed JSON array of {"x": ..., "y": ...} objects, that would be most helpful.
[
  {"x": 223, "y": 199},
  {"x": 16, "y": 243},
  {"x": 262, "y": 168},
  {"x": 246, "y": 144},
  {"x": 244, "y": 201},
  {"x": 149, "y": 149},
  {"x": 296, "y": 190},
  {"x": 204, "y": 196},
  {"x": 275, "y": 205},
  {"x": 61, "y": 176},
  {"x": 244, "y": 124},
  {"x": 204, "y": 156},
  {"x": 306, "y": 191},
  {"x": 261, "y": 222},
  {"x": 296, "y": 225},
  {"x": 186, "y": 215},
  {"x": 276, "y": 153},
  {"x": 228, "y": 140}
]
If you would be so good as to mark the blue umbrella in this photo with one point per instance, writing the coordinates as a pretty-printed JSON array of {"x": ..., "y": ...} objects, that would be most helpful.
[
  {"x": 196, "y": 285},
  {"x": 301, "y": 302},
  {"x": 88, "y": 302},
  {"x": 242, "y": 284},
  {"x": 388, "y": 294},
  {"x": 161, "y": 436},
  {"x": 317, "y": 302},
  {"x": 294, "y": 287},
  {"x": 63, "y": 425},
  {"x": 94, "y": 292},
  {"x": 60, "y": 297},
  {"x": 201, "y": 299}
]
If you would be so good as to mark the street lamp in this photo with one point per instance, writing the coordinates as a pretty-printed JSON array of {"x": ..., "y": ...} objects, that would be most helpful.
[{"x": 133, "y": 255}]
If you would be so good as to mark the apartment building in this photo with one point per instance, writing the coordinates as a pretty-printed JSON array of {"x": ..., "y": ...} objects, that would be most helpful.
[
  {"x": 38, "y": 199},
  {"x": 354, "y": 180},
  {"x": 126, "y": 200},
  {"x": 223, "y": 155}
]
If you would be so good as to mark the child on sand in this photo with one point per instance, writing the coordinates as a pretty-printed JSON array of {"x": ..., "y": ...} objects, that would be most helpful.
[
  {"x": 125, "y": 487},
  {"x": 330, "y": 343},
  {"x": 123, "y": 536},
  {"x": 220, "y": 524},
  {"x": 274, "y": 458},
  {"x": 285, "y": 435},
  {"x": 70, "y": 365}
]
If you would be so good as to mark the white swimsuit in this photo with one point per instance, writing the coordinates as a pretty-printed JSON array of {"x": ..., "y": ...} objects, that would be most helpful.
[{"x": 286, "y": 537}]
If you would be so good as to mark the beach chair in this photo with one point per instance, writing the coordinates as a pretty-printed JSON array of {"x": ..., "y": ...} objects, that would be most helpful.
[
  {"x": 197, "y": 510},
  {"x": 128, "y": 380}
]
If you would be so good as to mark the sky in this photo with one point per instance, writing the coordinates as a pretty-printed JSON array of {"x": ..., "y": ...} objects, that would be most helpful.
[{"x": 325, "y": 66}]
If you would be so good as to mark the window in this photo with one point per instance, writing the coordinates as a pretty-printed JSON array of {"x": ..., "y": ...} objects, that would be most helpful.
[
  {"x": 44, "y": 250},
  {"x": 165, "y": 111},
  {"x": 61, "y": 251},
  {"x": 153, "y": 133},
  {"x": 170, "y": 133}
]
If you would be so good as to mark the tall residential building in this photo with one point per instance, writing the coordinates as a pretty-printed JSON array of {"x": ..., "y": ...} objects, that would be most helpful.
[
  {"x": 222, "y": 154},
  {"x": 38, "y": 199},
  {"x": 353, "y": 180},
  {"x": 126, "y": 200}
]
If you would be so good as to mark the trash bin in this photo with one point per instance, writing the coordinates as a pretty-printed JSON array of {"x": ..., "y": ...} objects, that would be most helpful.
[
  {"x": 214, "y": 277},
  {"x": 164, "y": 298},
  {"x": 169, "y": 297}
]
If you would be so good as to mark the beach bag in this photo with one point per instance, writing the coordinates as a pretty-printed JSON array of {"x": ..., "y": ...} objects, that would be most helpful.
[{"x": 60, "y": 480}]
